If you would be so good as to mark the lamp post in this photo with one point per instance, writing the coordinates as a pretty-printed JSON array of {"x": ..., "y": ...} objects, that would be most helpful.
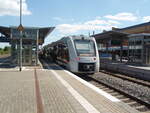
[
  {"x": 20, "y": 28},
  {"x": 20, "y": 64}
]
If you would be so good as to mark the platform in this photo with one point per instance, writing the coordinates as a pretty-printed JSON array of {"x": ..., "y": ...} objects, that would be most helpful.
[
  {"x": 54, "y": 90},
  {"x": 141, "y": 72}
]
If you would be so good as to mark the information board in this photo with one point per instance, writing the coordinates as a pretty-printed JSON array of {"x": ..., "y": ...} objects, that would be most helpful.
[{"x": 27, "y": 33}]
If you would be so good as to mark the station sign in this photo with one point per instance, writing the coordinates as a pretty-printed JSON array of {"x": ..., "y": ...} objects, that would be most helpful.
[
  {"x": 27, "y": 33},
  {"x": 20, "y": 27}
]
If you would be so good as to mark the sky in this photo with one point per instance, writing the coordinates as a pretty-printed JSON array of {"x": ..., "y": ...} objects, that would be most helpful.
[{"x": 75, "y": 17}]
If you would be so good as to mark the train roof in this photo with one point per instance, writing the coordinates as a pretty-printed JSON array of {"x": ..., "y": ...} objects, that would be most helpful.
[
  {"x": 77, "y": 37},
  {"x": 63, "y": 39}
]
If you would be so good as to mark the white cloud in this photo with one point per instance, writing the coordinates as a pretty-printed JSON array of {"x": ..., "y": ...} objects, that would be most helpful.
[
  {"x": 122, "y": 16},
  {"x": 146, "y": 19},
  {"x": 101, "y": 23},
  {"x": 98, "y": 17},
  {"x": 86, "y": 26},
  {"x": 60, "y": 19},
  {"x": 113, "y": 22},
  {"x": 12, "y": 7},
  {"x": 95, "y": 22}
]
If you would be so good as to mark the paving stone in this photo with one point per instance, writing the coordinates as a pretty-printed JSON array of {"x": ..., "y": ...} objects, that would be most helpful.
[
  {"x": 97, "y": 100},
  {"x": 55, "y": 96},
  {"x": 17, "y": 92}
]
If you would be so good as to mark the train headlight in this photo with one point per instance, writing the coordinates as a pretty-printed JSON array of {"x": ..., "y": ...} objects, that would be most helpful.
[{"x": 94, "y": 58}]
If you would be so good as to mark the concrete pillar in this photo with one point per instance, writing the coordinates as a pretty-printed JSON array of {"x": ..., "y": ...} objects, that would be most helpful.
[
  {"x": 128, "y": 50},
  {"x": 106, "y": 47},
  {"x": 121, "y": 51},
  {"x": 134, "y": 52},
  {"x": 142, "y": 50}
]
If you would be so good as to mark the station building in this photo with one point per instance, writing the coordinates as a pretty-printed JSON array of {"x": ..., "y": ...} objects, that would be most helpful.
[
  {"x": 130, "y": 44},
  {"x": 32, "y": 38}
]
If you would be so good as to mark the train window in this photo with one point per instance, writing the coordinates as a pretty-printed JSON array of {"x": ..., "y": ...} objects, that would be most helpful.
[
  {"x": 66, "y": 53},
  {"x": 63, "y": 53},
  {"x": 85, "y": 47}
]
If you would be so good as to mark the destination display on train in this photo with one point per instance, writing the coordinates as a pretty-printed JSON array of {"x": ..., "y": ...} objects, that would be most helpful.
[{"x": 27, "y": 33}]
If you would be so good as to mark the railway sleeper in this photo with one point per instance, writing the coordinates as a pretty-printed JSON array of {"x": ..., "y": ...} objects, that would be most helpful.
[
  {"x": 110, "y": 91},
  {"x": 139, "y": 107},
  {"x": 133, "y": 103},
  {"x": 115, "y": 93},
  {"x": 121, "y": 97},
  {"x": 105, "y": 89},
  {"x": 128, "y": 101},
  {"x": 143, "y": 109}
]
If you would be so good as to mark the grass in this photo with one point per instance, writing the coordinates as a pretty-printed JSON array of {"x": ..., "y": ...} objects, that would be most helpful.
[{"x": 4, "y": 51}]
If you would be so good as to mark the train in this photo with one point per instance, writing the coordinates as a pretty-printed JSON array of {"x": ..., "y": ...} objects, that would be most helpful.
[{"x": 79, "y": 54}]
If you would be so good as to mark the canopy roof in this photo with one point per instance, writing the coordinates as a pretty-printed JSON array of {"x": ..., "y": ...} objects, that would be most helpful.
[
  {"x": 43, "y": 32},
  {"x": 135, "y": 26},
  {"x": 121, "y": 34},
  {"x": 140, "y": 35},
  {"x": 5, "y": 31},
  {"x": 109, "y": 35}
]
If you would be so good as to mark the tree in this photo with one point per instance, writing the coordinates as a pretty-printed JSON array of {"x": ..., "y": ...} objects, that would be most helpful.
[{"x": 6, "y": 48}]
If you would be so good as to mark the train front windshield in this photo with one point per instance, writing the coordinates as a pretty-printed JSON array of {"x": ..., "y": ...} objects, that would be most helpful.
[{"x": 85, "y": 47}]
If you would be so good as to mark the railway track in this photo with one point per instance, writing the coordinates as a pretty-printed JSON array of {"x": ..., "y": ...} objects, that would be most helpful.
[
  {"x": 131, "y": 100},
  {"x": 125, "y": 77}
]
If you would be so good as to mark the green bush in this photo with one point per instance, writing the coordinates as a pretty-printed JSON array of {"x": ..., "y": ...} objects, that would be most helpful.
[{"x": 5, "y": 50}]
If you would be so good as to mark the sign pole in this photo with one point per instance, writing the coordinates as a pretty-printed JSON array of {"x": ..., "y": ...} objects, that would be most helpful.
[
  {"x": 20, "y": 28},
  {"x": 20, "y": 68}
]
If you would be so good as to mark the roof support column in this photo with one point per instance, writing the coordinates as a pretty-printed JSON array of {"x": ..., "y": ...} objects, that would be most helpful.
[
  {"x": 134, "y": 51},
  {"x": 128, "y": 51},
  {"x": 142, "y": 50},
  {"x": 121, "y": 51},
  {"x": 106, "y": 47}
]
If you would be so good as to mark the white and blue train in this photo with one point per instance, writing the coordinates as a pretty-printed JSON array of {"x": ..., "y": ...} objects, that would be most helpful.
[{"x": 79, "y": 54}]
